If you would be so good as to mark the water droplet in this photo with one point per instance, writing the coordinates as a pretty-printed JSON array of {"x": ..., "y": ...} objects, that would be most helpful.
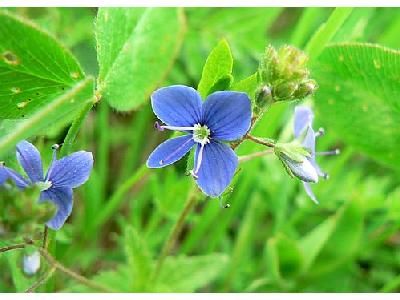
[
  {"x": 15, "y": 90},
  {"x": 337, "y": 88},
  {"x": 377, "y": 64},
  {"x": 10, "y": 58},
  {"x": 74, "y": 75},
  {"x": 21, "y": 105},
  {"x": 72, "y": 101}
]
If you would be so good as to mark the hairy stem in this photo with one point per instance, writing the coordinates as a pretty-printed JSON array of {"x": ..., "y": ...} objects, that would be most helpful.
[
  {"x": 55, "y": 264},
  {"x": 12, "y": 247},
  {"x": 254, "y": 155},
  {"x": 42, "y": 280},
  {"x": 175, "y": 232},
  {"x": 261, "y": 141}
]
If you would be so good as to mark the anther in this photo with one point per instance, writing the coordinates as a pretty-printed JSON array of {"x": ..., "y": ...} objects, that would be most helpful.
[
  {"x": 320, "y": 132},
  {"x": 325, "y": 176},
  {"x": 221, "y": 205},
  {"x": 158, "y": 126},
  {"x": 55, "y": 147}
]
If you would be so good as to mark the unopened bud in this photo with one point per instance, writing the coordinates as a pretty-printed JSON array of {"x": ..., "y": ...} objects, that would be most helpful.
[
  {"x": 305, "y": 89},
  {"x": 284, "y": 91}
]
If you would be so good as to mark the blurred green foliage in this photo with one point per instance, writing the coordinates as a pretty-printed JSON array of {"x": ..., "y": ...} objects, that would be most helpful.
[{"x": 272, "y": 238}]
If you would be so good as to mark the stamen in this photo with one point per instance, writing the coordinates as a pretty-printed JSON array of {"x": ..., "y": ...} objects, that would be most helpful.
[
  {"x": 320, "y": 132},
  {"x": 177, "y": 128},
  {"x": 161, "y": 162},
  {"x": 199, "y": 158},
  {"x": 327, "y": 153},
  {"x": 325, "y": 176},
  {"x": 55, "y": 147}
]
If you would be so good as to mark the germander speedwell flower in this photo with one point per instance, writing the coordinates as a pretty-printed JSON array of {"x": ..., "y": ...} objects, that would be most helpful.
[
  {"x": 224, "y": 116},
  {"x": 62, "y": 176},
  {"x": 303, "y": 120}
]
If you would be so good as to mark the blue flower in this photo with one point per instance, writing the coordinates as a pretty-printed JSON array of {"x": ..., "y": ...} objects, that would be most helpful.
[
  {"x": 62, "y": 176},
  {"x": 223, "y": 117},
  {"x": 303, "y": 120}
]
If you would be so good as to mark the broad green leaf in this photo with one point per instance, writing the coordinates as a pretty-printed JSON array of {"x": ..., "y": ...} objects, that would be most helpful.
[
  {"x": 218, "y": 67},
  {"x": 187, "y": 274},
  {"x": 359, "y": 97},
  {"x": 34, "y": 68},
  {"x": 65, "y": 105},
  {"x": 136, "y": 49}
]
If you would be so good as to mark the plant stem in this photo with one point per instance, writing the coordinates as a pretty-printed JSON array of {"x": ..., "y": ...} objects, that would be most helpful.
[
  {"x": 74, "y": 129},
  {"x": 176, "y": 230},
  {"x": 261, "y": 141},
  {"x": 45, "y": 242},
  {"x": 55, "y": 264},
  {"x": 12, "y": 247},
  {"x": 42, "y": 280},
  {"x": 254, "y": 155}
]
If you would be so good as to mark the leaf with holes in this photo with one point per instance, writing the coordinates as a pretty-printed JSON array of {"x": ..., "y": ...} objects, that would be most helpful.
[
  {"x": 34, "y": 68},
  {"x": 136, "y": 48},
  {"x": 359, "y": 97}
]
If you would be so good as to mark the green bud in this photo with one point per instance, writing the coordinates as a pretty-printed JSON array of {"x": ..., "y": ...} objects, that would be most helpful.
[
  {"x": 295, "y": 160},
  {"x": 284, "y": 91},
  {"x": 305, "y": 89},
  {"x": 263, "y": 97},
  {"x": 268, "y": 69}
]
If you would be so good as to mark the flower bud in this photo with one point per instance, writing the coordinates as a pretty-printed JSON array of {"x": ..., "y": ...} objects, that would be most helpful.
[
  {"x": 284, "y": 91},
  {"x": 305, "y": 89},
  {"x": 263, "y": 97},
  {"x": 296, "y": 161},
  {"x": 31, "y": 263}
]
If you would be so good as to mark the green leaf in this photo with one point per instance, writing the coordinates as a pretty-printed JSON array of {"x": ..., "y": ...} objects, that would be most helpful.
[
  {"x": 139, "y": 259},
  {"x": 187, "y": 274},
  {"x": 65, "y": 105},
  {"x": 333, "y": 241},
  {"x": 136, "y": 49},
  {"x": 359, "y": 97},
  {"x": 34, "y": 68},
  {"x": 247, "y": 85},
  {"x": 284, "y": 258},
  {"x": 218, "y": 66}
]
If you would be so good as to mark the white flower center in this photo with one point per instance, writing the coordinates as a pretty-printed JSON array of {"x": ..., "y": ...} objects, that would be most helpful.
[
  {"x": 44, "y": 185},
  {"x": 201, "y": 134}
]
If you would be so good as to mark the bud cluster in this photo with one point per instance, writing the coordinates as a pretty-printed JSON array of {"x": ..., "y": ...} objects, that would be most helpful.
[
  {"x": 283, "y": 76},
  {"x": 20, "y": 213}
]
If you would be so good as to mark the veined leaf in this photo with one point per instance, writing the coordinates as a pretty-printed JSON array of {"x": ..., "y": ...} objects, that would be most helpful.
[
  {"x": 34, "y": 68},
  {"x": 136, "y": 48},
  {"x": 64, "y": 105},
  {"x": 218, "y": 66},
  {"x": 359, "y": 97}
]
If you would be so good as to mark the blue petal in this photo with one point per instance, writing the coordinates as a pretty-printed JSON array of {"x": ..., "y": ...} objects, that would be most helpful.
[
  {"x": 19, "y": 181},
  {"x": 29, "y": 158},
  {"x": 62, "y": 198},
  {"x": 72, "y": 170},
  {"x": 3, "y": 175},
  {"x": 177, "y": 105},
  {"x": 227, "y": 114},
  {"x": 309, "y": 192},
  {"x": 217, "y": 168},
  {"x": 170, "y": 151},
  {"x": 303, "y": 118}
]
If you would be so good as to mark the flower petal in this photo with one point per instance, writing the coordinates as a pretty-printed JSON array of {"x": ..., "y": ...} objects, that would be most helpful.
[
  {"x": 303, "y": 117},
  {"x": 8, "y": 173},
  {"x": 227, "y": 114},
  {"x": 29, "y": 158},
  {"x": 62, "y": 198},
  {"x": 309, "y": 192},
  {"x": 177, "y": 105},
  {"x": 170, "y": 151},
  {"x": 72, "y": 170},
  {"x": 218, "y": 166}
]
